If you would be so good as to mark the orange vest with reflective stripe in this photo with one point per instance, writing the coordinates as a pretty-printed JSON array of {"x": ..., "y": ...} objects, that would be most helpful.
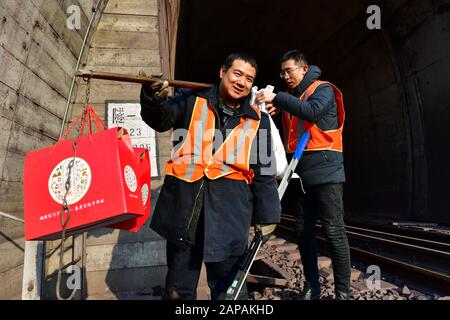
[
  {"x": 195, "y": 159},
  {"x": 320, "y": 140}
]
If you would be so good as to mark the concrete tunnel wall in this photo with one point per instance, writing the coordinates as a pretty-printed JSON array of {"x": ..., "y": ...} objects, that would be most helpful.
[
  {"x": 394, "y": 80},
  {"x": 38, "y": 56}
]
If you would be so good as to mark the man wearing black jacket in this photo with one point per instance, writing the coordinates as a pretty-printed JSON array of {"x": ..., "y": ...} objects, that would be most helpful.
[
  {"x": 213, "y": 186},
  {"x": 316, "y": 106}
]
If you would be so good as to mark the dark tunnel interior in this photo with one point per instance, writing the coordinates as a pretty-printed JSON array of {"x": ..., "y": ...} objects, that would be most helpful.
[{"x": 394, "y": 80}]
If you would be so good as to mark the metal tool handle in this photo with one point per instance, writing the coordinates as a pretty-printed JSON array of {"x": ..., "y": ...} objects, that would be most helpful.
[
  {"x": 293, "y": 164},
  {"x": 235, "y": 288},
  {"x": 140, "y": 79}
]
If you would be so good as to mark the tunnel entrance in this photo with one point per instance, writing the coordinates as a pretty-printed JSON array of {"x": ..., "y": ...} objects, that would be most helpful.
[{"x": 391, "y": 172}]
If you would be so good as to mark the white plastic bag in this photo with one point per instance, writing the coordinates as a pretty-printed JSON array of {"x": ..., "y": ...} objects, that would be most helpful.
[{"x": 277, "y": 143}]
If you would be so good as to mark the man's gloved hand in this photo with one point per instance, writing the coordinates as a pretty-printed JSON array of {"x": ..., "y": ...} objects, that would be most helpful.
[
  {"x": 157, "y": 91},
  {"x": 265, "y": 230}
]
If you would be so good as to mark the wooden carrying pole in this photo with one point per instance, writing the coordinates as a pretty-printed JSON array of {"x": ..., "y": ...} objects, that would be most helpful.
[{"x": 140, "y": 79}]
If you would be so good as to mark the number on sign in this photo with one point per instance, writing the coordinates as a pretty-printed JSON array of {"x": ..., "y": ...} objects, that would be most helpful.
[{"x": 135, "y": 132}]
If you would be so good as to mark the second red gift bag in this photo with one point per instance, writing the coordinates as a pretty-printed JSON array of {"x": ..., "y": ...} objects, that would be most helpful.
[{"x": 144, "y": 175}]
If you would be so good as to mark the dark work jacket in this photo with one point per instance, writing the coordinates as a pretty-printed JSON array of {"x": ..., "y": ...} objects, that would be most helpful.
[
  {"x": 315, "y": 167},
  {"x": 228, "y": 205}
]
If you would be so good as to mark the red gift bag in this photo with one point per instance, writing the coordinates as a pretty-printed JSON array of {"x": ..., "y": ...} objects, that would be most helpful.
[
  {"x": 144, "y": 177},
  {"x": 104, "y": 185}
]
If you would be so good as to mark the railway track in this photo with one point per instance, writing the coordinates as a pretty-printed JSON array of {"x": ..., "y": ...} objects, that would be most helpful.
[{"x": 419, "y": 259}]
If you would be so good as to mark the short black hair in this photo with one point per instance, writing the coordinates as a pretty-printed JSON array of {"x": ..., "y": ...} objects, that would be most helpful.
[
  {"x": 240, "y": 56},
  {"x": 294, "y": 55}
]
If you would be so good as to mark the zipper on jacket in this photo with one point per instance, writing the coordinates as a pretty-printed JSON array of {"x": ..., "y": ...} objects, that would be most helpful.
[
  {"x": 218, "y": 117},
  {"x": 190, "y": 235},
  {"x": 226, "y": 122},
  {"x": 223, "y": 132}
]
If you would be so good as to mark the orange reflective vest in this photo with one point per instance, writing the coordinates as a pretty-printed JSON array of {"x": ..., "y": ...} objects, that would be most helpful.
[
  {"x": 194, "y": 159},
  {"x": 320, "y": 140}
]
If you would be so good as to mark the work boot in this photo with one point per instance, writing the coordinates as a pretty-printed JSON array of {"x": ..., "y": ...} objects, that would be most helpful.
[
  {"x": 310, "y": 293},
  {"x": 342, "y": 295}
]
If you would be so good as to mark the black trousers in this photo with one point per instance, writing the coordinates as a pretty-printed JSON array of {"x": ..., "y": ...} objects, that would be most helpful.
[
  {"x": 184, "y": 266},
  {"x": 324, "y": 202}
]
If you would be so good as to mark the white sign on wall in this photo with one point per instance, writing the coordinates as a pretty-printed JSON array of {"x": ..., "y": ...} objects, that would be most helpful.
[{"x": 127, "y": 115}]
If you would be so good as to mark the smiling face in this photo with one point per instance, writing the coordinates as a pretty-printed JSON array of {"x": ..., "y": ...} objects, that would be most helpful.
[{"x": 237, "y": 81}]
